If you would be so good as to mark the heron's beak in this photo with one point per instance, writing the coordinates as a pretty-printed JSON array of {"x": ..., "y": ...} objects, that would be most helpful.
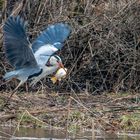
[{"x": 61, "y": 65}]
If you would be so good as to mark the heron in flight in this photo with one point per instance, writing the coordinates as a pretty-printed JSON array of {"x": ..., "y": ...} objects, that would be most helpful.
[{"x": 37, "y": 60}]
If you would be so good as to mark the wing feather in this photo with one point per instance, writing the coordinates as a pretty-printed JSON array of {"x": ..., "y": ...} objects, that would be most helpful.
[
  {"x": 16, "y": 44},
  {"x": 50, "y": 41}
]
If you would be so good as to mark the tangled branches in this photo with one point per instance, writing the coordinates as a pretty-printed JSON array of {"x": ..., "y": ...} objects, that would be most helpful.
[{"x": 103, "y": 51}]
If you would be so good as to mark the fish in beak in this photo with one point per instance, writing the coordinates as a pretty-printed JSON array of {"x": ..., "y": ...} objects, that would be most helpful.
[{"x": 60, "y": 74}]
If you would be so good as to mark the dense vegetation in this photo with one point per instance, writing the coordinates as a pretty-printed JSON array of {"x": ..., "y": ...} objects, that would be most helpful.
[{"x": 103, "y": 50}]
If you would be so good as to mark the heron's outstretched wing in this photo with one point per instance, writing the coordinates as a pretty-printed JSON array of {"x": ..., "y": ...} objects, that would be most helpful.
[
  {"x": 50, "y": 41},
  {"x": 16, "y": 44}
]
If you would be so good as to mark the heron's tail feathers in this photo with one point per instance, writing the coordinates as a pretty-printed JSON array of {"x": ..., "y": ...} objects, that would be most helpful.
[{"x": 10, "y": 75}]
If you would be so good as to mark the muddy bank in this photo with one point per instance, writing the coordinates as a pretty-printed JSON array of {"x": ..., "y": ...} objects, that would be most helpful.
[{"x": 73, "y": 112}]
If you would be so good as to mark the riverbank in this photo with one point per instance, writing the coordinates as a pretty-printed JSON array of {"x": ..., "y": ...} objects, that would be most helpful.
[{"x": 111, "y": 112}]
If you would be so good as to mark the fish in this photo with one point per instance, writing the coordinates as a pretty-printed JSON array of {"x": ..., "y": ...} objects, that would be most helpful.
[{"x": 60, "y": 74}]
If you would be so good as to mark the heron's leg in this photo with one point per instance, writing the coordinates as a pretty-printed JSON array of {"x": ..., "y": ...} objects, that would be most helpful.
[
  {"x": 26, "y": 85},
  {"x": 34, "y": 81},
  {"x": 13, "y": 92},
  {"x": 21, "y": 82}
]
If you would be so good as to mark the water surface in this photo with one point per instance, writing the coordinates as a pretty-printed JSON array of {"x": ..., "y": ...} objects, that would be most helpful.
[{"x": 9, "y": 133}]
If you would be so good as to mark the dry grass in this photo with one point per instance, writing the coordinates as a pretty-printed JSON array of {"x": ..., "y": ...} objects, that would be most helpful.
[{"x": 102, "y": 114}]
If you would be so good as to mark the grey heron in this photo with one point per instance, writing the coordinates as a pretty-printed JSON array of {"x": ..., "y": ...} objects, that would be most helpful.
[{"x": 35, "y": 60}]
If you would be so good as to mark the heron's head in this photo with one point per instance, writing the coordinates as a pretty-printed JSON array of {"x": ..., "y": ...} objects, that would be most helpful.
[{"x": 55, "y": 60}]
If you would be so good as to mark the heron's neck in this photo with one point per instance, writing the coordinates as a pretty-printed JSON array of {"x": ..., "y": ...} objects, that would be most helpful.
[{"x": 50, "y": 69}]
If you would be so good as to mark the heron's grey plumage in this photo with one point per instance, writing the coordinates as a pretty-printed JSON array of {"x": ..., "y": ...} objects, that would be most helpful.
[
  {"x": 29, "y": 60},
  {"x": 17, "y": 50},
  {"x": 50, "y": 41},
  {"x": 43, "y": 54},
  {"x": 54, "y": 35},
  {"x": 16, "y": 44}
]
